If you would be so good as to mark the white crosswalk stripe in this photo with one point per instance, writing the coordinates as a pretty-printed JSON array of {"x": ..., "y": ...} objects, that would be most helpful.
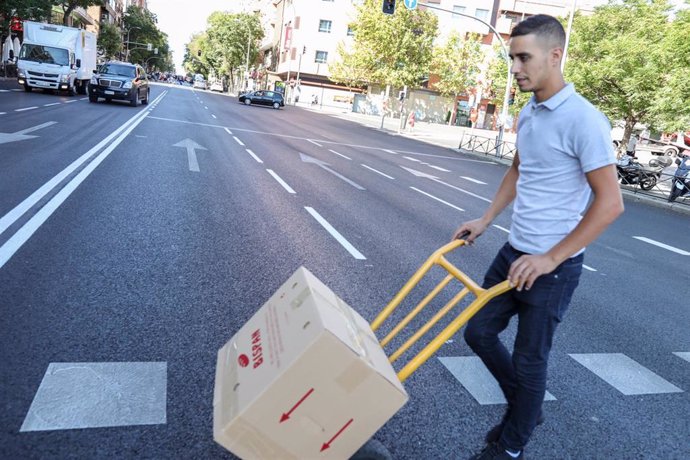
[
  {"x": 477, "y": 380},
  {"x": 624, "y": 374}
]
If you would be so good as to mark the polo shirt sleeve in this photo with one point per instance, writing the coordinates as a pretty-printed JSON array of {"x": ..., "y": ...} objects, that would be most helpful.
[{"x": 593, "y": 144}]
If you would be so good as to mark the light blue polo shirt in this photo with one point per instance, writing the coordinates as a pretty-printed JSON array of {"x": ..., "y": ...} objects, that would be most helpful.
[{"x": 558, "y": 140}]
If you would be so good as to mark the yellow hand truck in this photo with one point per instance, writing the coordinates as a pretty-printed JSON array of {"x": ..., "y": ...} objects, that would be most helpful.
[{"x": 373, "y": 449}]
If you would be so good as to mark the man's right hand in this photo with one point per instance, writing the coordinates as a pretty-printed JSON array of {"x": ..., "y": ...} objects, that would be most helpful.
[{"x": 470, "y": 231}]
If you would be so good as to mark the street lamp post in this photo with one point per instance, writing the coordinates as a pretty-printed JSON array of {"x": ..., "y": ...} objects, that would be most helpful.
[
  {"x": 128, "y": 31},
  {"x": 246, "y": 66},
  {"x": 509, "y": 80}
]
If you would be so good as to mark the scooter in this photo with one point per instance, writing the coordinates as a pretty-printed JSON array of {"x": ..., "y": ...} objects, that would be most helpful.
[
  {"x": 631, "y": 172},
  {"x": 680, "y": 185}
]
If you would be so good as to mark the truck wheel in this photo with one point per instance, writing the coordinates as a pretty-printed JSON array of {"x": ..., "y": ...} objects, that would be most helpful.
[{"x": 27, "y": 88}]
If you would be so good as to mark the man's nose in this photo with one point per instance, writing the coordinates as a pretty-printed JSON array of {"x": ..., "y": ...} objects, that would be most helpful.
[{"x": 514, "y": 67}]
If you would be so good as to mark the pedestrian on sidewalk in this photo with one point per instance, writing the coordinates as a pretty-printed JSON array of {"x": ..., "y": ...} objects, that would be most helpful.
[
  {"x": 410, "y": 121},
  {"x": 558, "y": 165}
]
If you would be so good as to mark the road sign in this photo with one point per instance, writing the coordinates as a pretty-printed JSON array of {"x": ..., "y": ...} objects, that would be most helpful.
[{"x": 410, "y": 4}]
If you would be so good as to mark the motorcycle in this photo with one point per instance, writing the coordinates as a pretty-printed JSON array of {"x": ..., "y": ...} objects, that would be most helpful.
[
  {"x": 680, "y": 185},
  {"x": 631, "y": 172}
]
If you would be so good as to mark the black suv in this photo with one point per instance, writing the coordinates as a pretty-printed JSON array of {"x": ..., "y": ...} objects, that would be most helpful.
[{"x": 120, "y": 80}]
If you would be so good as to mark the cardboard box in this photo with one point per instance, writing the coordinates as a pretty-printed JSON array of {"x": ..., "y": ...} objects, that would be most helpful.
[{"x": 305, "y": 378}]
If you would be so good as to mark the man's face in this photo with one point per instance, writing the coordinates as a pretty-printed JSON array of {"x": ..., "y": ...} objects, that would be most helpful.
[{"x": 532, "y": 63}]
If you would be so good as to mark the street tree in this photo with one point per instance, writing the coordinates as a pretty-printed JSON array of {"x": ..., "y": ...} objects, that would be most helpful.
[
  {"x": 141, "y": 29},
  {"x": 194, "y": 60},
  {"x": 32, "y": 10},
  {"x": 109, "y": 40},
  {"x": 390, "y": 49},
  {"x": 457, "y": 65},
  {"x": 619, "y": 60},
  {"x": 232, "y": 42}
]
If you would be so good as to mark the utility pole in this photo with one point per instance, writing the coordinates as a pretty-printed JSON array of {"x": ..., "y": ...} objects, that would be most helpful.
[{"x": 246, "y": 67}]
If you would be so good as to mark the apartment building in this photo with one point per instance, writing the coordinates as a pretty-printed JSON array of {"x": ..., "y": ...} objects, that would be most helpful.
[{"x": 110, "y": 12}]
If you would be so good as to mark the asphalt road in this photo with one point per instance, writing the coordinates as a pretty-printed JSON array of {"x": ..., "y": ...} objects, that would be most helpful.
[{"x": 152, "y": 234}]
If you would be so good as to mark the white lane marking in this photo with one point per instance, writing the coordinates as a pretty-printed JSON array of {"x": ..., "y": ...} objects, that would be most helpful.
[
  {"x": 437, "y": 199},
  {"x": 259, "y": 160},
  {"x": 315, "y": 143},
  {"x": 683, "y": 355},
  {"x": 662, "y": 245},
  {"x": 476, "y": 181},
  {"x": 228, "y": 131},
  {"x": 22, "y": 235},
  {"x": 19, "y": 210},
  {"x": 477, "y": 380},
  {"x": 413, "y": 159},
  {"x": 17, "y": 90},
  {"x": 344, "y": 156},
  {"x": 54, "y": 103},
  {"x": 377, "y": 172},
  {"x": 206, "y": 107},
  {"x": 4, "y": 90},
  {"x": 84, "y": 99},
  {"x": 214, "y": 116},
  {"x": 340, "y": 238},
  {"x": 109, "y": 394},
  {"x": 501, "y": 228},
  {"x": 439, "y": 168},
  {"x": 388, "y": 151},
  {"x": 3, "y": 113},
  {"x": 323, "y": 165},
  {"x": 280, "y": 181},
  {"x": 69, "y": 102},
  {"x": 238, "y": 141},
  {"x": 36, "y": 128},
  {"x": 624, "y": 374},
  {"x": 436, "y": 179},
  {"x": 587, "y": 267},
  {"x": 26, "y": 108}
]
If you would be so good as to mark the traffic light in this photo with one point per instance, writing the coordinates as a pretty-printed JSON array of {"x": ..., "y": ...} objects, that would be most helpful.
[{"x": 388, "y": 6}]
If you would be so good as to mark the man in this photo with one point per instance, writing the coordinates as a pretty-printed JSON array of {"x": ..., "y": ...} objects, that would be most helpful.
[
  {"x": 564, "y": 156},
  {"x": 632, "y": 143}
]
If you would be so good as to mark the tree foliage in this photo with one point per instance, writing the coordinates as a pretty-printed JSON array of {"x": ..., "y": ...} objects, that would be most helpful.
[
  {"x": 628, "y": 59},
  {"x": 110, "y": 40},
  {"x": 456, "y": 63},
  {"x": 69, "y": 6},
  {"x": 141, "y": 29},
  {"x": 32, "y": 10},
  {"x": 389, "y": 49}
]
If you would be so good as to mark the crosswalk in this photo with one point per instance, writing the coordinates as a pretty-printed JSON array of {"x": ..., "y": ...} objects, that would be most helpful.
[{"x": 616, "y": 369}]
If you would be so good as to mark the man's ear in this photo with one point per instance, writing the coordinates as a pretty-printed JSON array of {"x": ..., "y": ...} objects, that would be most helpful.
[{"x": 556, "y": 56}]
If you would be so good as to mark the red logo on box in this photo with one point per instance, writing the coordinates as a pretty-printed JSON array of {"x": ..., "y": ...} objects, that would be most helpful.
[{"x": 243, "y": 360}]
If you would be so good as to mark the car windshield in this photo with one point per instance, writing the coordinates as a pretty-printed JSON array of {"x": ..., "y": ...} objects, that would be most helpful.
[
  {"x": 118, "y": 69},
  {"x": 44, "y": 54}
]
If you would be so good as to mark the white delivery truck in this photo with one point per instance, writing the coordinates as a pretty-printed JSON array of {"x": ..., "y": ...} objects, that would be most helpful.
[{"x": 56, "y": 57}]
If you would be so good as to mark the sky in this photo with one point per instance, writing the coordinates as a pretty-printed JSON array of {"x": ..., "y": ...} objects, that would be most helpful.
[{"x": 180, "y": 19}]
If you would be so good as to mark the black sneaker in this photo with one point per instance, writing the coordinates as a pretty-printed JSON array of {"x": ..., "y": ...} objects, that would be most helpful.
[
  {"x": 494, "y": 433},
  {"x": 495, "y": 451}
]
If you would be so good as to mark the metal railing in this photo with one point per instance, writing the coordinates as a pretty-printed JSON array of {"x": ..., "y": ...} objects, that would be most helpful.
[{"x": 660, "y": 190}]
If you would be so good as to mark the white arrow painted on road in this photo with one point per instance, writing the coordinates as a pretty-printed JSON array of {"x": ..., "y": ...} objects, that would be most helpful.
[
  {"x": 191, "y": 146},
  {"x": 436, "y": 179},
  {"x": 22, "y": 135},
  {"x": 324, "y": 165}
]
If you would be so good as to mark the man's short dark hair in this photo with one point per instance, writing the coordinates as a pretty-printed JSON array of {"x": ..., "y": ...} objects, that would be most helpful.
[{"x": 545, "y": 26}]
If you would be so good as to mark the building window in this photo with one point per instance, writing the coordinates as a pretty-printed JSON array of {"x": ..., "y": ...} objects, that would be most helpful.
[
  {"x": 481, "y": 14},
  {"x": 458, "y": 9},
  {"x": 325, "y": 26},
  {"x": 321, "y": 57}
]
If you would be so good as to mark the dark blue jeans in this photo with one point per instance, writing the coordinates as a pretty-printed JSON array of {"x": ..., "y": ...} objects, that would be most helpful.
[{"x": 522, "y": 375}]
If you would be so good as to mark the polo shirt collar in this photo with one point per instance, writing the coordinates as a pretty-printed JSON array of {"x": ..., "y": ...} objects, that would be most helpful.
[{"x": 557, "y": 99}]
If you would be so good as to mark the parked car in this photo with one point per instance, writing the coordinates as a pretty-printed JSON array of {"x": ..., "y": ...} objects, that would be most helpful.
[
  {"x": 120, "y": 80},
  {"x": 199, "y": 82},
  {"x": 217, "y": 86},
  {"x": 269, "y": 98}
]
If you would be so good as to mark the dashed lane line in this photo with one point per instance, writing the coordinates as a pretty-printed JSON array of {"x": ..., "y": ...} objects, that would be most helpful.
[
  {"x": 344, "y": 156},
  {"x": 69, "y": 102},
  {"x": 228, "y": 131},
  {"x": 501, "y": 228},
  {"x": 476, "y": 181},
  {"x": 51, "y": 104},
  {"x": 437, "y": 199},
  {"x": 258, "y": 160},
  {"x": 378, "y": 172},
  {"x": 281, "y": 181},
  {"x": 315, "y": 143},
  {"x": 662, "y": 245},
  {"x": 214, "y": 116},
  {"x": 335, "y": 234},
  {"x": 26, "y": 108},
  {"x": 238, "y": 141}
]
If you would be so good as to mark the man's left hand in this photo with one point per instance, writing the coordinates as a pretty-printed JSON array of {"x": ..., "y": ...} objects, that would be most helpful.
[{"x": 525, "y": 270}]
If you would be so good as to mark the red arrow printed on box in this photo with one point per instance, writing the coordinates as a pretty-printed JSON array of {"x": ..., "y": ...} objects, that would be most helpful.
[
  {"x": 330, "y": 441},
  {"x": 287, "y": 416}
]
